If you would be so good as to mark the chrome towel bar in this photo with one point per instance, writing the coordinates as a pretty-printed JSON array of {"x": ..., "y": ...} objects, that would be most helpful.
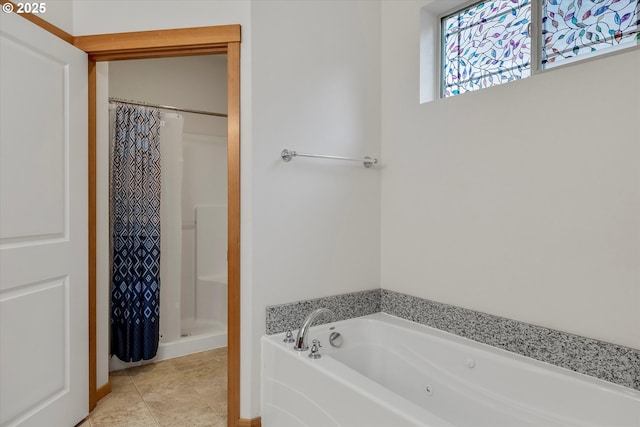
[{"x": 287, "y": 155}]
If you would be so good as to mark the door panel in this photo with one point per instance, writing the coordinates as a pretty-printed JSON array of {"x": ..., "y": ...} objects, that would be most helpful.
[
  {"x": 32, "y": 380},
  {"x": 43, "y": 227},
  {"x": 37, "y": 143}
]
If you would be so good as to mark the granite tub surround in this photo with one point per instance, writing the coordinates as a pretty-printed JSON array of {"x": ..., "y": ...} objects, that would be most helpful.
[
  {"x": 283, "y": 317},
  {"x": 606, "y": 361},
  {"x": 609, "y": 362}
]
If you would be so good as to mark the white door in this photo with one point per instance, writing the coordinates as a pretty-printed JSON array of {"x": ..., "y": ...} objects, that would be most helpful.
[{"x": 43, "y": 228}]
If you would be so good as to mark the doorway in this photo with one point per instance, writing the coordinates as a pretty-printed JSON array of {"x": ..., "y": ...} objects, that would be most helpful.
[
  {"x": 168, "y": 43},
  {"x": 193, "y": 209}
]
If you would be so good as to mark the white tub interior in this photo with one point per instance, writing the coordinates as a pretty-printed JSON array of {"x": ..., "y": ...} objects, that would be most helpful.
[{"x": 391, "y": 372}]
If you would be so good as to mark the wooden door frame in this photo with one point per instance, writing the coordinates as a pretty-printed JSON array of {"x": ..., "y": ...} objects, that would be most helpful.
[{"x": 159, "y": 44}]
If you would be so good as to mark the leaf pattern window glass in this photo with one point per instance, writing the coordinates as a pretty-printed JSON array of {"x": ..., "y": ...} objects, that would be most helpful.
[
  {"x": 577, "y": 27},
  {"x": 485, "y": 45}
]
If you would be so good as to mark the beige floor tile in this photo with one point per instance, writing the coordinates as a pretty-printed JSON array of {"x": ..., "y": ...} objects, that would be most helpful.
[
  {"x": 209, "y": 372},
  {"x": 119, "y": 373},
  {"x": 220, "y": 353},
  {"x": 180, "y": 407},
  {"x": 118, "y": 381},
  {"x": 150, "y": 370},
  {"x": 160, "y": 383},
  {"x": 121, "y": 388},
  {"x": 203, "y": 420},
  {"x": 194, "y": 418},
  {"x": 134, "y": 414},
  {"x": 209, "y": 365},
  {"x": 119, "y": 398},
  {"x": 214, "y": 394},
  {"x": 84, "y": 423},
  {"x": 204, "y": 356},
  {"x": 154, "y": 384},
  {"x": 167, "y": 392},
  {"x": 185, "y": 391}
]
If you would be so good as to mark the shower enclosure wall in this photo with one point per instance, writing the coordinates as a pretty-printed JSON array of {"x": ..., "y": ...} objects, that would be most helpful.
[{"x": 202, "y": 294}]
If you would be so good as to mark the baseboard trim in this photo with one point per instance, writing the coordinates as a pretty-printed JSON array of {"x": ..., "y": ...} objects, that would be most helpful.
[
  {"x": 103, "y": 391},
  {"x": 253, "y": 422}
]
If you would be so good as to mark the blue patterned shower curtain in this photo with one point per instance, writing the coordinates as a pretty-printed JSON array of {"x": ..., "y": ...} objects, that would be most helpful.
[{"x": 135, "y": 219}]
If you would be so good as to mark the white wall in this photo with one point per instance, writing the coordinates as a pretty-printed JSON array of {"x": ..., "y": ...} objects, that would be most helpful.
[
  {"x": 117, "y": 16},
  {"x": 522, "y": 200},
  {"x": 58, "y": 13},
  {"x": 316, "y": 89},
  {"x": 315, "y": 221},
  {"x": 195, "y": 82}
]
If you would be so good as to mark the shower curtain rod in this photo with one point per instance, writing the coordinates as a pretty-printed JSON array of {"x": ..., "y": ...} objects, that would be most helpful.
[{"x": 168, "y": 107}]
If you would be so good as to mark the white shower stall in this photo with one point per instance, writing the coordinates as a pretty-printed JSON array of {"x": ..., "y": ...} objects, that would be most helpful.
[
  {"x": 202, "y": 291},
  {"x": 211, "y": 269},
  {"x": 193, "y": 261}
]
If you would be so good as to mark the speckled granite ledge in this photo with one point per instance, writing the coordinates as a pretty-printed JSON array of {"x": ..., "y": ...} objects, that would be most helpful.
[
  {"x": 345, "y": 306},
  {"x": 609, "y": 362}
]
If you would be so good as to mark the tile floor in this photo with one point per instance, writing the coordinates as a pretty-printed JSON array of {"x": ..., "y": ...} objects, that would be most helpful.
[{"x": 185, "y": 391}]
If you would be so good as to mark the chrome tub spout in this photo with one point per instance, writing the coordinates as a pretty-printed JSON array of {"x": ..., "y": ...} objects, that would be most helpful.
[{"x": 301, "y": 339}]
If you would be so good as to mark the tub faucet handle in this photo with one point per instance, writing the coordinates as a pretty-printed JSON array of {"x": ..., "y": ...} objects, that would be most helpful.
[
  {"x": 335, "y": 339},
  {"x": 315, "y": 350},
  {"x": 289, "y": 337}
]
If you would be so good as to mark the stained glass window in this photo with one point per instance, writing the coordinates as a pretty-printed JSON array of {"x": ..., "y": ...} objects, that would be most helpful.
[
  {"x": 572, "y": 28},
  {"x": 489, "y": 43},
  {"x": 485, "y": 45}
]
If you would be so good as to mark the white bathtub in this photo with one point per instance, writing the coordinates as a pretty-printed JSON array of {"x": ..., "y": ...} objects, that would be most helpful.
[{"x": 390, "y": 372}]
